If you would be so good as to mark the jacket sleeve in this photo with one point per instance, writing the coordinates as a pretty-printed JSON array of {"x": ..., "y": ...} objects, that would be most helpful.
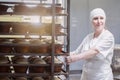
[{"x": 105, "y": 45}]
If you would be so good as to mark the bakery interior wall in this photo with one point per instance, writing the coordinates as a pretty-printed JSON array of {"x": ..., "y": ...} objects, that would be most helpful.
[{"x": 80, "y": 25}]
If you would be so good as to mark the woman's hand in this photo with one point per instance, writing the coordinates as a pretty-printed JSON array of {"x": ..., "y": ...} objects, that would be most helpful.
[
  {"x": 72, "y": 58},
  {"x": 68, "y": 59}
]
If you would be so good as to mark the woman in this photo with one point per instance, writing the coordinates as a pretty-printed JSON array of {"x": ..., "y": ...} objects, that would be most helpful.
[{"x": 96, "y": 49}]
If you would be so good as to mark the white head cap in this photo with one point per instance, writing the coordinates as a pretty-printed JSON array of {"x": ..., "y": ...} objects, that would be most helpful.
[{"x": 97, "y": 12}]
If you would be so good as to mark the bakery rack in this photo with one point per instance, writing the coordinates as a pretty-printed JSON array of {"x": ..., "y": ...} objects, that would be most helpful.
[{"x": 10, "y": 19}]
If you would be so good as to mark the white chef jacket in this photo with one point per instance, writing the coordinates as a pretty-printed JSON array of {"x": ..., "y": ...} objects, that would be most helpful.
[{"x": 98, "y": 67}]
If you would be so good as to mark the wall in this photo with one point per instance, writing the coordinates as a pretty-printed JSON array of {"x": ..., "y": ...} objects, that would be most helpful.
[{"x": 80, "y": 25}]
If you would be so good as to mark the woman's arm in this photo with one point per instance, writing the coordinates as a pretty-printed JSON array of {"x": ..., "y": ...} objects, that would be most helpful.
[
  {"x": 103, "y": 47},
  {"x": 85, "y": 55}
]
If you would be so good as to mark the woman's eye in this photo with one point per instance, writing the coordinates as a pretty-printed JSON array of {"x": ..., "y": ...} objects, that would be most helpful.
[
  {"x": 95, "y": 18},
  {"x": 101, "y": 18}
]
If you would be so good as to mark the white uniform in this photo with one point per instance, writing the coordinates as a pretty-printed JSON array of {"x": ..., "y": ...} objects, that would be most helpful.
[{"x": 98, "y": 67}]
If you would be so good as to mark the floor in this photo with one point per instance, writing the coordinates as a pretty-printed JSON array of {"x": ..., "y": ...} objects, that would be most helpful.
[
  {"x": 75, "y": 77},
  {"x": 75, "y": 74}
]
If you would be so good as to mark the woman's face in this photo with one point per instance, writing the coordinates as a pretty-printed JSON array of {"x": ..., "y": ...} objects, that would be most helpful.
[{"x": 98, "y": 23}]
